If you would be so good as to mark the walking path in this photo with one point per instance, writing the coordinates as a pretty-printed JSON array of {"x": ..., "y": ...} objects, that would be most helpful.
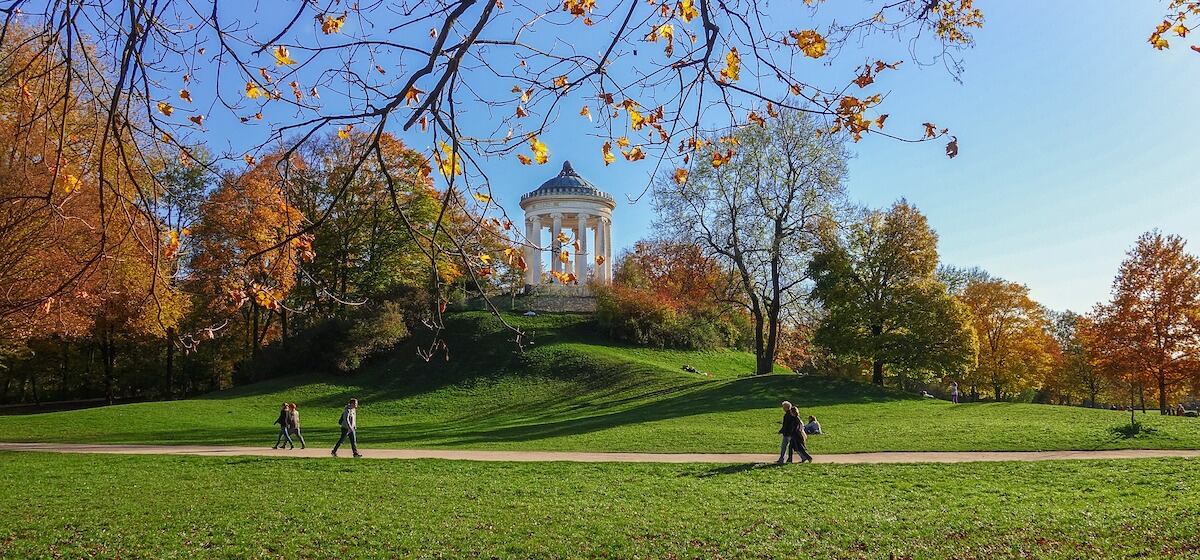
[{"x": 587, "y": 457}]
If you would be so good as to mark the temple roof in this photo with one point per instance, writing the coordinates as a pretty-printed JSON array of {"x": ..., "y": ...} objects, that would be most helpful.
[{"x": 567, "y": 182}]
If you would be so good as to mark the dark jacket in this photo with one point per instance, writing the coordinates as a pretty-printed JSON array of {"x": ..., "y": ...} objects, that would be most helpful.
[
  {"x": 283, "y": 418},
  {"x": 790, "y": 424}
]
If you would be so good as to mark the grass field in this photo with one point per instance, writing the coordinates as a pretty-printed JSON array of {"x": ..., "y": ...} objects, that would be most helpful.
[
  {"x": 575, "y": 391},
  {"x": 75, "y": 506}
]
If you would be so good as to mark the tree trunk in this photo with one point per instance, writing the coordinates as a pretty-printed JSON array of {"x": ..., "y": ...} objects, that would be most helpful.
[
  {"x": 170, "y": 361},
  {"x": 37, "y": 398},
  {"x": 254, "y": 333},
  {"x": 877, "y": 363},
  {"x": 1162, "y": 395},
  {"x": 65, "y": 371},
  {"x": 999, "y": 392},
  {"x": 283, "y": 325},
  {"x": 108, "y": 350}
]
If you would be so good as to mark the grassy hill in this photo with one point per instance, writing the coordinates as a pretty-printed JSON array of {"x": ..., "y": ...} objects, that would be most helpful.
[{"x": 573, "y": 390}]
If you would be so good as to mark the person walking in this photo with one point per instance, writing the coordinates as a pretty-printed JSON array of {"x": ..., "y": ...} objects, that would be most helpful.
[
  {"x": 283, "y": 420},
  {"x": 787, "y": 430},
  {"x": 954, "y": 392},
  {"x": 294, "y": 424},
  {"x": 799, "y": 438},
  {"x": 349, "y": 424}
]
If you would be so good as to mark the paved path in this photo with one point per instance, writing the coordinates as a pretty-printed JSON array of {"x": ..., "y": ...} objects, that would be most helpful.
[{"x": 586, "y": 457}]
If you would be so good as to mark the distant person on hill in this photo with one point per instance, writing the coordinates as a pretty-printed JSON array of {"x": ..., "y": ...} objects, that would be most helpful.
[
  {"x": 799, "y": 439},
  {"x": 954, "y": 392},
  {"x": 812, "y": 427},
  {"x": 349, "y": 424},
  {"x": 787, "y": 430},
  {"x": 283, "y": 428},
  {"x": 294, "y": 423}
]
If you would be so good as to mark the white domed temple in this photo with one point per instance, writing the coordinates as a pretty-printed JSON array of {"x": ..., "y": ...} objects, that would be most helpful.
[{"x": 565, "y": 203}]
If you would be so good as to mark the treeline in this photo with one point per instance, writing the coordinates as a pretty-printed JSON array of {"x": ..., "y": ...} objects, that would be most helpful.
[
  {"x": 761, "y": 250},
  {"x": 238, "y": 274}
]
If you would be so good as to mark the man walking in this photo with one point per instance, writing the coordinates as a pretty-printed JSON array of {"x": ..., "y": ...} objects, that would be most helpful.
[
  {"x": 788, "y": 430},
  {"x": 349, "y": 424}
]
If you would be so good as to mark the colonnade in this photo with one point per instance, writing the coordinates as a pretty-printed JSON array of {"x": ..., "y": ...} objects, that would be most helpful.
[{"x": 596, "y": 269}]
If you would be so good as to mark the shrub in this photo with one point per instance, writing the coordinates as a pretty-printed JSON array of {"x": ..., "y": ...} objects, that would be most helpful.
[{"x": 642, "y": 317}]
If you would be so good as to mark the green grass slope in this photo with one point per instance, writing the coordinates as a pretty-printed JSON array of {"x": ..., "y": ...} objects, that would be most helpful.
[{"x": 572, "y": 390}]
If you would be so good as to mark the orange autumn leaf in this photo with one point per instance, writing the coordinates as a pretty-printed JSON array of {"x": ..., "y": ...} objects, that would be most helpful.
[
  {"x": 198, "y": 119},
  {"x": 331, "y": 24},
  {"x": 930, "y": 130},
  {"x": 412, "y": 95},
  {"x": 681, "y": 175},
  {"x": 586, "y": 112},
  {"x": 185, "y": 95},
  {"x": 165, "y": 108},
  {"x": 524, "y": 159},
  {"x": 608, "y": 155}
]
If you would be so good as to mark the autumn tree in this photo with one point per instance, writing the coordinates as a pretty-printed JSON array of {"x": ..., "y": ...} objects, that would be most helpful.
[
  {"x": 1152, "y": 323},
  {"x": 246, "y": 257},
  {"x": 882, "y": 301},
  {"x": 672, "y": 293},
  {"x": 159, "y": 74},
  {"x": 760, "y": 212},
  {"x": 1076, "y": 367},
  {"x": 1014, "y": 345}
]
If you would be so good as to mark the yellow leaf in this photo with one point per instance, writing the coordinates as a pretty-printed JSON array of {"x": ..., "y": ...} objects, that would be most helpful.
[
  {"x": 481, "y": 197},
  {"x": 447, "y": 161},
  {"x": 687, "y": 10},
  {"x": 253, "y": 91},
  {"x": 560, "y": 81},
  {"x": 634, "y": 154},
  {"x": 485, "y": 258},
  {"x": 71, "y": 183},
  {"x": 344, "y": 132},
  {"x": 623, "y": 142},
  {"x": 331, "y": 24},
  {"x": 636, "y": 120},
  {"x": 165, "y": 108},
  {"x": 681, "y": 175},
  {"x": 811, "y": 43},
  {"x": 281, "y": 56},
  {"x": 541, "y": 154},
  {"x": 733, "y": 66},
  {"x": 608, "y": 155}
]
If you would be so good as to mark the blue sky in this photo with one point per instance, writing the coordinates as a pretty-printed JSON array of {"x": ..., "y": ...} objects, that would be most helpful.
[{"x": 1075, "y": 137}]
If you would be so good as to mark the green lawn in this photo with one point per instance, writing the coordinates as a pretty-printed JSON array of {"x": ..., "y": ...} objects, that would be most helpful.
[
  {"x": 74, "y": 506},
  {"x": 575, "y": 391}
]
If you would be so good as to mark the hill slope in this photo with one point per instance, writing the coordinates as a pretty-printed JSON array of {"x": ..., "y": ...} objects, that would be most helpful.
[{"x": 573, "y": 391}]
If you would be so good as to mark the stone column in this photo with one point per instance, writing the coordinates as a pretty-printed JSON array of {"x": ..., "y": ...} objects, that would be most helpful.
[
  {"x": 608, "y": 277},
  {"x": 535, "y": 264},
  {"x": 598, "y": 271},
  {"x": 555, "y": 244},
  {"x": 530, "y": 272},
  {"x": 581, "y": 252}
]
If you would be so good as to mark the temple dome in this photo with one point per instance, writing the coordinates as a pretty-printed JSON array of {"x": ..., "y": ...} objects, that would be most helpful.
[{"x": 567, "y": 182}]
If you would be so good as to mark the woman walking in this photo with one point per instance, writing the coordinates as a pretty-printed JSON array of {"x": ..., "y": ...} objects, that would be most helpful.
[
  {"x": 799, "y": 439},
  {"x": 294, "y": 423},
  {"x": 283, "y": 421}
]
